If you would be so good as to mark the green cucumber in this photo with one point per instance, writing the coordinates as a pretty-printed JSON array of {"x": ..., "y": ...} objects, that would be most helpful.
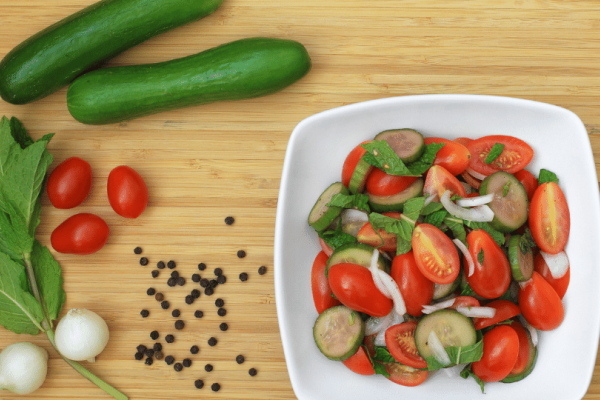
[
  {"x": 408, "y": 144},
  {"x": 356, "y": 253},
  {"x": 533, "y": 353},
  {"x": 396, "y": 202},
  {"x": 441, "y": 291},
  {"x": 321, "y": 215},
  {"x": 361, "y": 172},
  {"x": 242, "y": 69},
  {"x": 338, "y": 332},
  {"x": 55, "y": 56},
  {"x": 521, "y": 265},
  {"x": 450, "y": 326},
  {"x": 510, "y": 203}
]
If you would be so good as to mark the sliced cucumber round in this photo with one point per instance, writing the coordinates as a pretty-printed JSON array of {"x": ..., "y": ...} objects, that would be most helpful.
[
  {"x": 510, "y": 204},
  {"x": 338, "y": 332},
  {"x": 358, "y": 180},
  {"x": 356, "y": 253},
  {"x": 321, "y": 214},
  {"x": 521, "y": 265},
  {"x": 396, "y": 202},
  {"x": 441, "y": 291},
  {"x": 451, "y": 327},
  {"x": 408, "y": 144}
]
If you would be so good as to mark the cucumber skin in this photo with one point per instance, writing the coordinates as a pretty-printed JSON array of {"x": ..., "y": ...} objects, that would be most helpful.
[
  {"x": 55, "y": 56},
  {"x": 241, "y": 69}
]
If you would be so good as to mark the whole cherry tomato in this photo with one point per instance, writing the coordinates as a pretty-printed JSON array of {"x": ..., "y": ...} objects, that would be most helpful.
[
  {"x": 69, "y": 183},
  {"x": 400, "y": 341},
  {"x": 438, "y": 180},
  {"x": 414, "y": 287},
  {"x": 540, "y": 304},
  {"x": 435, "y": 254},
  {"x": 353, "y": 286},
  {"x": 453, "y": 156},
  {"x": 127, "y": 192},
  {"x": 80, "y": 234},
  {"x": 491, "y": 277},
  {"x": 549, "y": 218},
  {"x": 360, "y": 362},
  {"x": 504, "y": 310},
  {"x": 500, "y": 353},
  {"x": 561, "y": 284},
  {"x": 320, "y": 285}
]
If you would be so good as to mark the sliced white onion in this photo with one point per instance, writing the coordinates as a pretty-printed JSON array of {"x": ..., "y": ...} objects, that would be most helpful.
[
  {"x": 397, "y": 318},
  {"x": 467, "y": 255},
  {"x": 475, "y": 201},
  {"x": 477, "y": 312},
  {"x": 468, "y": 188},
  {"x": 375, "y": 275},
  {"x": 532, "y": 331},
  {"x": 437, "y": 348},
  {"x": 376, "y": 324},
  {"x": 428, "y": 309},
  {"x": 524, "y": 284},
  {"x": 476, "y": 214},
  {"x": 431, "y": 199},
  {"x": 394, "y": 290},
  {"x": 476, "y": 175},
  {"x": 380, "y": 338},
  {"x": 558, "y": 264},
  {"x": 353, "y": 220}
]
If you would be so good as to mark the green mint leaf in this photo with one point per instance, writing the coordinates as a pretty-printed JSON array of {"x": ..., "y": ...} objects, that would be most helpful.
[
  {"x": 496, "y": 235},
  {"x": 403, "y": 246},
  {"x": 359, "y": 201},
  {"x": 455, "y": 197},
  {"x": 547, "y": 176},
  {"x": 14, "y": 237},
  {"x": 19, "y": 133},
  {"x": 383, "y": 355},
  {"x": 399, "y": 227},
  {"x": 526, "y": 242},
  {"x": 337, "y": 238},
  {"x": 467, "y": 290},
  {"x": 458, "y": 355},
  {"x": 380, "y": 370},
  {"x": 8, "y": 147},
  {"x": 467, "y": 371},
  {"x": 431, "y": 208},
  {"x": 49, "y": 279},
  {"x": 423, "y": 163},
  {"x": 436, "y": 218},
  {"x": 19, "y": 310},
  {"x": 480, "y": 256},
  {"x": 494, "y": 153},
  {"x": 413, "y": 207},
  {"x": 505, "y": 189},
  {"x": 381, "y": 155},
  {"x": 457, "y": 227}
]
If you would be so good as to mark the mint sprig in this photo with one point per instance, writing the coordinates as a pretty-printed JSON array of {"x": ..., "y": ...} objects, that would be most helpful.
[{"x": 382, "y": 156}]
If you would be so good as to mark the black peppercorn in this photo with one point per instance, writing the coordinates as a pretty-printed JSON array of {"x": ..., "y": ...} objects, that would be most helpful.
[
  {"x": 219, "y": 302},
  {"x": 158, "y": 355},
  {"x": 201, "y": 267},
  {"x": 171, "y": 264},
  {"x": 213, "y": 283},
  {"x": 198, "y": 314},
  {"x": 171, "y": 282},
  {"x": 150, "y": 292},
  {"x": 229, "y": 220},
  {"x": 181, "y": 281},
  {"x": 169, "y": 338},
  {"x": 143, "y": 261},
  {"x": 149, "y": 353},
  {"x": 165, "y": 305},
  {"x": 204, "y": 282},
  {"x": 160, "y": 265},
  {"x": 155, "y": 273},
  {"x": 212, "y": 341},
  {"x": 218, "y": 271},
  {"x": 195, "y": 293},
  {"x": 159, "y": 297},
  {"x": 149, "y": 361},
  {"x": 187, "y": 363},
  {"x": 169, "y": 360},
  {"x": 139, "y": 356},
  {"x": 243, "y": 277},
  {"x": 199, "y": 383},
  {"x": 179, "y": 324},
  {"x": 194, "y": 349},
  {"x": 189, "y": 299},
  {"x": 241, "y": 254},
  {"x": 144, "y": 313},
  {"x": 141, "y": 348},
  {"x": 196, "y": 278},
  {"x": 137, "y": 250},
  {"x": 157, "y": 347},
  {"x": 154, "y": 335},
  {"x": 176, "y": 313},
  {"x": 215, "y": 387},
  {"x": 239, "y": 359},
  {"x": 221, "y": 312},
  {"x": 262, "y": 270},
  {"x": 178, "y": 367},
  {"x": 252, "y": 371},
  {"x": 208, "y": 367},
  {"x": 209, "y": 291},
  {"x": 223, "y": 326},
  {"x": 221, "y": 279}
]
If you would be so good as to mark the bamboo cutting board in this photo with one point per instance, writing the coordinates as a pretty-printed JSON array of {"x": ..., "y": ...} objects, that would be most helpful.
[{"x": 205, "y": 163}]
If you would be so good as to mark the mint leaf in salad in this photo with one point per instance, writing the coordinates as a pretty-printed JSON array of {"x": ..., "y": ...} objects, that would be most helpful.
[
  {"x": 526, "y": 242},
  {"x": 381, "y": 155},
  {"x": 496, "y": 235},
  {"x": 431, "y": 208},
  {"x": 436, "y": 218},
  {"x": 467, "y": 371},
  {"x": 359, "y": 201},
  {"x": 494, "y": 153},
  {"x": 337, "y": 238},
  {"x": 457, "y": 227},
  {"x": 458, "y": 355},
  {"x": 480, "y": 256},
  {"x": 547, "y": 176}
]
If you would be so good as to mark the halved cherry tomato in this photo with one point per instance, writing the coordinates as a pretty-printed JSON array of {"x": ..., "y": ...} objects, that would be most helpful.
[
  {"x": 439, "y": 180},
  {"x": 505, "y": 309},
  {"x": 360, "y": 362},
  {"x": 414, "y": 287},
  {"x": 463, "y": 140},
  {"x": 540, "y": 304},
  {"x": 561, "y": 284},
  {"x": 515, "y": 156},
  {"x": 465, "y": 301},
  {"x": 350, "y": 163},
  {"x": 320, "y": 285},
  {"x": 492, "y": 277},
  {"x": 524, "y": 348},
  {"x": 500, "y": 353},
  {"x": 381, "y": 183},
  {"x": 528, "y": 180},
  {"x": 453, "y": 156},
  {"x": 400, "y": 341},
  {"x": 325, "y": 247},
  {"x": 549, "y": 218},
  {"x": 381, "y": 239},
  {"x": 405, "y": 375},
  {"x": 353, "y": 286},
  {"x": 435, "y": 254}
]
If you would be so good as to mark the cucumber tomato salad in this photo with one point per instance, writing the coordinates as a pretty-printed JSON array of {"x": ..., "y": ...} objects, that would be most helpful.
[{"x": 437, "y": 253}]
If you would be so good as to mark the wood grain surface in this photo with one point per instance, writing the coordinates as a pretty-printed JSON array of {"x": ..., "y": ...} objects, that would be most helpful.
[{"x": 204, "y": 163}]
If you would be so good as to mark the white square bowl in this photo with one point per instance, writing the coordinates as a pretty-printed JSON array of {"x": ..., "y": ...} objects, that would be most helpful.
[{"x": 314, "y": 157}]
